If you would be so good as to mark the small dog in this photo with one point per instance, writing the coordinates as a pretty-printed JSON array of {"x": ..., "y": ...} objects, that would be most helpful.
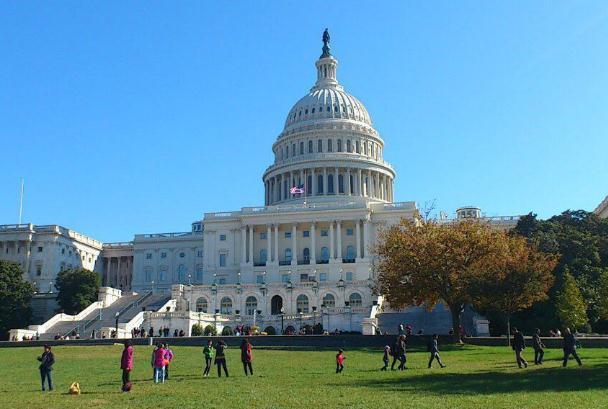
[{"x": 74, "y": 389}]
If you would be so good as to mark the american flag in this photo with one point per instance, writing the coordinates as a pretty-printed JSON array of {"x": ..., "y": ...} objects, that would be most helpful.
[{"x": 297, "y": 190}]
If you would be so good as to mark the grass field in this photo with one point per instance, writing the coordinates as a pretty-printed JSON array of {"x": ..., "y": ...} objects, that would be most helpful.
[{"x": 476, "y": 377}]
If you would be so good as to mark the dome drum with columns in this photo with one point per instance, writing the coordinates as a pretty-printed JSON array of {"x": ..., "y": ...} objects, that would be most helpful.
[{"x": 328, "y": 147}]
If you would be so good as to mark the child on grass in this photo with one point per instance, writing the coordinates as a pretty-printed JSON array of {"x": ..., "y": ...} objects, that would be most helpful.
[
  {"x": 385, "y": 357},
  {"x": 340, "y": 361}
]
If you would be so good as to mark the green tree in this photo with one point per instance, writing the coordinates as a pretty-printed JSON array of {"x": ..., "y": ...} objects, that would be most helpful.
[
  {"x": 570, "y": 305},
  {"x": 197, "y": 330},
  {"x": 210, "y": 330},
  {"x": 78, "y": 289},
  {"x": 15, "y": 297},
  {"x": 603, "y": 294}
]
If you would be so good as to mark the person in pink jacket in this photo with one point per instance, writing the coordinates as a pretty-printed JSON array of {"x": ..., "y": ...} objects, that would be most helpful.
[
  {"x": 158, "y": 363},
  {"x": 126, "y": 364}
]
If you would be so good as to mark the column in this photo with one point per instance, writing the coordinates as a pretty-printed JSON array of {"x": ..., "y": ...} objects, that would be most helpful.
[
  {"x": 324, "y": 181},
  {"x": 339, "y": 240},
  {"x": 294, "y": 245},
  {"x": 313, "y": 244},
  {"x": 107, "y": 279},
  {"x": 314, "y": 182},
  {"x": 357, "y": 239},
  {"x": 268, "y": 245},
  {"x": 250, "y": 244},
  {"x": 243, "y": 245},
  {"x": 276, "y": 243},
  {"x": 347, "y": 183},
  {"x": 365, "y": 238},
  {"x": 331, "y": 240},
  {"x": 118, "y": 273},
  {"x": 359, "y": 183}
]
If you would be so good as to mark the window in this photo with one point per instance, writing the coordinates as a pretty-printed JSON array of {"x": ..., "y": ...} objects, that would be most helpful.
[
  {"x": 222, "y": 280},
  {"x": 319, "y": 146},
  {"x": 199, "y": 253},
  {"x": 320, "y": 184},
  {"x": 330, "y": 145},
  {"x": 302, "y": 144},
  {"x": 286, "y": 151},
  {"x": 251, "y": 304},
  {"x": 304, "y": 278},
  {"x": 293, "y": 150},
  {"x": 263, "y": 256},
  {"x": 349, "y": 232},
  {"x": 222, "y": 237},
  {"x": 306, "y": 233},
  {"x": 148, "y": 256},
  {"x": 323, "y": 233},
  {"x": 355, "y": 300},
  {"x": 302, "y": 303},
  {"x": 222, "y": 260},
  {"x": 357, "y": 147},
  {"x": 329, "y": 301},
  {"x": 350, "y": 252},
  {"x": 39, "y": 249},
  {"x": 63, "y": 251},
  {"x": 163, "y": 274},
  {"x": 288, "y": 255},
  {"x": 226, "y": 306},
  {"x": 39, "y": 270},
  {"x": 181, "y": 273},
  {"x": 287, "y": 234},
  {"x": 339, "y": 145},
  {"x": 310, "y": 144},
  {"x": 322, "y": 276},
  {"x": 306, "y": 254},
  {"x": 340, "y": 183},
  {"x": 148, "y": 273},
  {"x": 313, "y": 111},
  {"x": 259, "y": 279},
  {"x": 284, "y": 278},
  {"x": 202, "y": 305},
  {"x": 163, "y": 255},
  {"x": 263, "y": 236},
  {"x": 199, "y": 273},
  {"x": 324, "y": 254},
  {"x": 349, "y": 147},
  {"x": 182, "y": 255},
  {"x": 349, "y": 276}
]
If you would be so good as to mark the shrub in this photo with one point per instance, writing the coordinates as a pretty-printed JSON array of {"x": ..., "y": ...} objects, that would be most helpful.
[
  {"x": 270, "y": 331},
  {"x": 197, "y": 330},
  {"x": 227, "y": 331},
  {"x": 210, "y": 330}
]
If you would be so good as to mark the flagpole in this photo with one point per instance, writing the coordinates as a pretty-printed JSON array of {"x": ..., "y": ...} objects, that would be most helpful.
[
  {"x": 21, "y": 201},
  {"x": 305, "y": 187}
]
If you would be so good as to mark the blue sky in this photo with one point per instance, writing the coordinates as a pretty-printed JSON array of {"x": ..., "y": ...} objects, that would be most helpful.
[{"x": 138, "y": 117}]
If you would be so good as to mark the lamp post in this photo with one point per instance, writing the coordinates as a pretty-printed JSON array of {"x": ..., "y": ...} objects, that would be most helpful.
[
  {"x": 152, "y": 286},
  {"x": 116, "y": 328},
  {"x": 282, "y": 317},
  {"x": 314, "y": 318},
  {"x": 51, "y": 287},
  {"x": 190, "y": 280}
]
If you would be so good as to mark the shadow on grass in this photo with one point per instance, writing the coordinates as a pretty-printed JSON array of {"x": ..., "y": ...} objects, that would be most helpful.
[{"x": 492, "y": 382}]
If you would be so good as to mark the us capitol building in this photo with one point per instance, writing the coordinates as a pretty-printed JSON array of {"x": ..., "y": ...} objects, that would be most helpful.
[{"x": 302, "y": 257}]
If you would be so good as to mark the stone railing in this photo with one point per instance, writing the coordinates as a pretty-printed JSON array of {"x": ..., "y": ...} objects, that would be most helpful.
[
  {"x": 118, "y": 245},
  {"x": 17, "y": 227},
  {"x": 186, "y": 235},
  {"x": 340, "y": 156}
]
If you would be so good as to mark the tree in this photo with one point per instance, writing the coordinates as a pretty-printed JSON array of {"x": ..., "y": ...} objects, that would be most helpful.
[
  {"x": 78, "y": 289},
  {"x": 15, "y": 296},
  {"x": 603, "y": 292},
  {"x": 424, "y": 262},
  {"x": 197, "y": 330},
  {"x": 210, "y": 330},
  {"x": 570, "y": 305},
  {"x": 520, "y": 277}
]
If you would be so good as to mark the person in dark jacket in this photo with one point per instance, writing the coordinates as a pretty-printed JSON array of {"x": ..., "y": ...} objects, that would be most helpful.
[
  {"x": 399, "y": 353},
  {"x": 570, "y": 347},
  {"x": 46, "y": 367},
  {"x": 539, "y": 348},
  {"x": 247, "y": 356},
  {"x": 518, "y": 345},
  {"x": 220, "y": 358},
  {"x": 433, "y": 348}
]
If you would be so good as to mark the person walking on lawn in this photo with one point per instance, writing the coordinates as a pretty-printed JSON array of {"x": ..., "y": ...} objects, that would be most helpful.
[
  {"x": 247, "y": 356},
  {"x": 340, "y": 361},
  {"x": 433, "y": 348},
  {"x": 519, "y": 344},
  {"x": 126, "y": 363},
  {"x": 539, "y": 347},
  {"x": 570, "y": 347}
]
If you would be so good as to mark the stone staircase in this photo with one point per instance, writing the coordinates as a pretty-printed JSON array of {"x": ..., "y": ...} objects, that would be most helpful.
[{"x": 437, "y": 321}]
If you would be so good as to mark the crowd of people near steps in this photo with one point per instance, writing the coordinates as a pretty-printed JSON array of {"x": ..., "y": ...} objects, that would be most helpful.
[{"x": 162, "y": 357}]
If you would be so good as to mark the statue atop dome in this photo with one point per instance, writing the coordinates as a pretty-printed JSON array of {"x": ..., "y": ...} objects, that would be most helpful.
[{"x": 326, "y": 39}]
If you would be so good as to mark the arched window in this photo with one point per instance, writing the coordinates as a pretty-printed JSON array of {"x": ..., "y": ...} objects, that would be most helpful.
[
  {"x": 226, "y": 306},
  {"x": 263, "y": 256},
  {"x": 349, "y": 147},
  {"x": 319, "y": 146},
  {"x": 330, "y": 145},
  {"x": 202, "y": 305},
  {"x": 181, "y": 273},
  {"x": 251, "y": 304},
  {"x": 340, "y": 183},
  {"x": 350, "y": 252},
  {"x": 288, "y": 255},
  {"x": 309, "y": 146},
  {"x": 306, "y": 254},
  {"x": 293, "y": 150},
  {"x": 324, "y": 254},
  {"x": 308, "y": 186},
  {"x": 339, "y": 145},
  {"x": 357, "y": 147},
  {"x": 302, "y": 148},
  {"x": 330, "y": 183},
  {"x": 355, "y": 300},
  {"x": 329, "y": 300},
  {"x": 276, "y": 305},
  {"x": 302, "y": 304},
  {"x": 320, "y": 184}
]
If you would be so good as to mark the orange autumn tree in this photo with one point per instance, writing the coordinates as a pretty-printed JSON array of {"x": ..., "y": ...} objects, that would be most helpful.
[{"x": 425, "y": 262}]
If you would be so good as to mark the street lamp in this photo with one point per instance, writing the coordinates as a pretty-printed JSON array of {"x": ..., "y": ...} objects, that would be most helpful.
[
  {"x": 190, "y": 280},
  {"x": 116, "y": 330},
  {"x": 152, "y": 286},
  {"x": 282, "y": 317},
  {"x": 51, "y": 287}
]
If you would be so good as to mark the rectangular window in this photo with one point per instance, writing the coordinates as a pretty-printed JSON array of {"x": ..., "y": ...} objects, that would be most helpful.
[
  {"x": 199, "y": 253},
  {"x": 222, "y": 280},
  {"x": 163, "y": 255},
  {"x": 320, "y": 146},
  {"x": 330, "y": 147},
  {"x": 222, "y": 237},
  {"x": 305, "y": 233},
  {"x": 301, "y": 148},
  {"x": 148, "y": 275},
  {"x": 303, "y": 277},
  {"x": 63, "y": 251},
  {"x": 322, "y": 276},
  {"x": 259, "y": 279},
  {"x": 285, "y": 278},
  {"x": 39, "y": 249},
  {"x": 323, "y": 233},
  {"x": 349, "y": 276},
  {"x": 349, "y": 232},
  {"x": 148, "y": 256},
  {"x": 163, "y": 275},
  {"x": 222, "y": 260},
  {"x": 287, "y": 234},
  {"x": 263, "y": 236}
]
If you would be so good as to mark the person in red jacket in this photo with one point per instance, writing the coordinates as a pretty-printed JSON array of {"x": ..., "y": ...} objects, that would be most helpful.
[
  {"x": 340, "y": 361},
  {"x": 126, "y": 364},
  {"x": 247, "y": 356}
]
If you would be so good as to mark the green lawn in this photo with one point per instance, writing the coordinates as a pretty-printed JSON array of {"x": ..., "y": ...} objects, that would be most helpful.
[{"x": 476, "y": 377}]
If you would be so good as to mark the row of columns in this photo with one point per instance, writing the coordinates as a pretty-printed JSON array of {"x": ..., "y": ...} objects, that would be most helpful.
[
  {"x": 356, "y": 182},
  {"x": 121, "y": 277},
  {"x": 362, "y": 242}
]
